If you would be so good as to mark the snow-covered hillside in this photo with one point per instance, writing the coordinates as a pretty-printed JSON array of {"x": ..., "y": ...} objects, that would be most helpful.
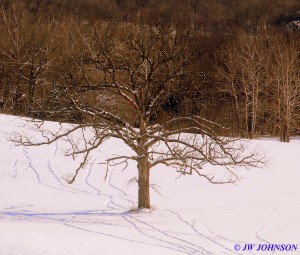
[{"x": 40, "y": 214}]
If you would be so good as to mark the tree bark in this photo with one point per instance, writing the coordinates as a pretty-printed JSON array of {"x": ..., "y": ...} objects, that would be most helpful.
[{"x": 143, "y": 183}]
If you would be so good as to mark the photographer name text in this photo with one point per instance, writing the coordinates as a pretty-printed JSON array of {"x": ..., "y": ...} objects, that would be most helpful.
[{"x": 266, "y": 247}]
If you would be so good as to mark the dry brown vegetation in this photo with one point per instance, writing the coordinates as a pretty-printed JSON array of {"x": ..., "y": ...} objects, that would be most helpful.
[{"x": 242, "y": 72}]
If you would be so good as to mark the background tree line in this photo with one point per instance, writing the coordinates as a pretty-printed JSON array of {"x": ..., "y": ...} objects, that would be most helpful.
[{"x": 243, "y": 70}]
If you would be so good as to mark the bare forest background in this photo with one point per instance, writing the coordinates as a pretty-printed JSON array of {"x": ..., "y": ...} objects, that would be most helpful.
[{"x": 237, "y": 62}]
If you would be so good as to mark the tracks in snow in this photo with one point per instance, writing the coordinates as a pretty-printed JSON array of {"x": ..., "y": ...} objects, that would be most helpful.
[{"x": 114, "y": 213}]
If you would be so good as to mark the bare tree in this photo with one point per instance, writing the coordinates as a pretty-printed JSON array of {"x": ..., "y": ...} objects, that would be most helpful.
[
  {"x": 121, "y": 79},
  {"x": 26, "y": 52},
  {"x": 263, "y": 70},
  {"x": 284, "y": 84},
  {"x": 243, "y": 72}
]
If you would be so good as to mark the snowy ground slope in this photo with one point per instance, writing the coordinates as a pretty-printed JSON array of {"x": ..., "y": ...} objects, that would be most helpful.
[{"x": 41, "y": 214}]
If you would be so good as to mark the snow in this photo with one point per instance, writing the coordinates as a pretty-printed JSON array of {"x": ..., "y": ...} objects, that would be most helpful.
[{"x": 41, "y": 214}]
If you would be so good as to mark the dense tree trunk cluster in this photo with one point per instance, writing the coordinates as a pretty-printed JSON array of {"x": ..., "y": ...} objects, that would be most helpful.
[{"x": 261, "y": 75}]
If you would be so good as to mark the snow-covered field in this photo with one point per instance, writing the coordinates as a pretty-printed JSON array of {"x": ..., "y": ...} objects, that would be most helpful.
[{"x": 40, "y": 214}]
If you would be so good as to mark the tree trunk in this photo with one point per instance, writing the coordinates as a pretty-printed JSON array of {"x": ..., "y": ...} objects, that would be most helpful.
[
  {"x": 31, "y": 90},
  {"x": 285, "y": 134},
  {"x": 143, "y": 183},
  {"x": 250, "y": 126}
]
